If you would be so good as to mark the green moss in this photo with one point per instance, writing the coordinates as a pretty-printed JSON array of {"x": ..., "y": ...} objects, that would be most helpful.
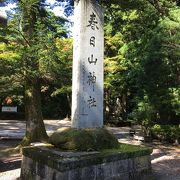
[
  {"x": 128, "y": 151},
  {"x": 84, "y": 139},
  {"x": 53, "y": 157},
  {"x": 37, "y": 135},
  {"x": 125, "y": 148}
]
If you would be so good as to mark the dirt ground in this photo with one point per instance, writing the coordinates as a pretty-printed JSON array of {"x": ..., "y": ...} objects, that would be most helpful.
[
  {"x": 165, "y": 161},
  {"x": 10, "y": 160}
]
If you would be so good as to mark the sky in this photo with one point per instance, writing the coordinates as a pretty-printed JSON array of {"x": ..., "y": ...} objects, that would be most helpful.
[
  {"x": 58, "y": 11},
  {"x": 7, "y": 8}
]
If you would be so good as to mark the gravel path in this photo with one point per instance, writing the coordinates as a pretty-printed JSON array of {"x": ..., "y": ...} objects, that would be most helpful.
[
  {"x": 10, "y": 162},
  {"x": 166, "y": 162},
  {"x": 165, "y": 158}
]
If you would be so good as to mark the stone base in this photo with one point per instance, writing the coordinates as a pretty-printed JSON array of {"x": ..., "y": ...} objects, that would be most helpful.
[{"x": 40, "y": 162}]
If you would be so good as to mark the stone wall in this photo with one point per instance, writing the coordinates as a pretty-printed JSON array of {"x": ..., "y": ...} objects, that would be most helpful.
[{"x": 43, "y": 163}]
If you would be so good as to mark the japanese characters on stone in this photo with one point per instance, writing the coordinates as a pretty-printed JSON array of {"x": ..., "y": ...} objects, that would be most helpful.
[
  {"x": 87, "y": 89},
  {"x": 93, "y": 24}
]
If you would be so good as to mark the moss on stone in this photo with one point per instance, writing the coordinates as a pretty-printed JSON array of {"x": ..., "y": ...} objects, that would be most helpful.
[
  {"x": 127, "y": 148},
  {"x": 128, "y": 151},
  {"x": 62, "y": 161},
  {"x": 84, "y": 139},
  {"x": 37, "y": 135}
]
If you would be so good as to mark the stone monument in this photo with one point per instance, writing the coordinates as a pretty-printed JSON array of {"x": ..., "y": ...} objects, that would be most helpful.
[
  {"x": 87, "y": 89},
  {"x": 77, "y": 152},
  {"x": 87, "y": 130}
]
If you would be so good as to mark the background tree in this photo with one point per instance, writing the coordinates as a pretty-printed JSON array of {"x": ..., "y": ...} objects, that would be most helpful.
[
  {"x": 141, "y": 59},
  {"x": 33, "y": 30},
  {"x": 142, "y": 69}
]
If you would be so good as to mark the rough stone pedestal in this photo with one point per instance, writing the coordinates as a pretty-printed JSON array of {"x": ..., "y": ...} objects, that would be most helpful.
[{"x": 49, "y": 164}]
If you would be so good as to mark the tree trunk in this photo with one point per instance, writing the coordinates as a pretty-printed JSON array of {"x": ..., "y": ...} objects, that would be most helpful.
[
  {"x": 35, "y": 129},
  {"x": 3, "y": 20},
  {"x": 68, "y": 96}
]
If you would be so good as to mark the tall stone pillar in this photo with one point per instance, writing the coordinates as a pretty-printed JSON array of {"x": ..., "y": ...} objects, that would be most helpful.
[{"x": 88, "y": 52}]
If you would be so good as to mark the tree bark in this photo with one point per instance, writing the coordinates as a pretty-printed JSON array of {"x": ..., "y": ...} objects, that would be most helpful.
[
  {"x": 35, "y": 129},
  {"x": 3, "y": 20}
]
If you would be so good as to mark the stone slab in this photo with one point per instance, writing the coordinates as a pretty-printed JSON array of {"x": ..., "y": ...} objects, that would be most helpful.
[
  {"x": 88, "y": 52},
  {"x": 44, "y": 163}
]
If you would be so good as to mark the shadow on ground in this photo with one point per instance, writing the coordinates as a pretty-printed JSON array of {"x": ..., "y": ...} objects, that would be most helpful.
[
  {"x": 7, "y": 166},
  {"x": 10, "y": 158}
]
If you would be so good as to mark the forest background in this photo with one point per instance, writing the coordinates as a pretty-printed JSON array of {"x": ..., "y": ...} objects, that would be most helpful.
[{"x": 142, "y": 62}]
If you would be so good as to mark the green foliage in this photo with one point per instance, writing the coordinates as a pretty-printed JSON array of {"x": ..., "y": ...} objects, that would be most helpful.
[
  {"x": 160, "y": 68},
  {"x": 36, "y": 52},
  {"x": 145, "y": 88},
  {"x": 144, "y": 114},
  {"x": 142, "y": 50},
  {"x": 9, "y": 81},
  {"x": 168, "y": 133},
  {"x": 57, "y": 88},
  {"x": 61, "y": 68}
]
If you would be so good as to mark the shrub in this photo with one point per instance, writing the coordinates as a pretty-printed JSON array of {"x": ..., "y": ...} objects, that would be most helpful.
[{"x": 169, "y": 133}]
